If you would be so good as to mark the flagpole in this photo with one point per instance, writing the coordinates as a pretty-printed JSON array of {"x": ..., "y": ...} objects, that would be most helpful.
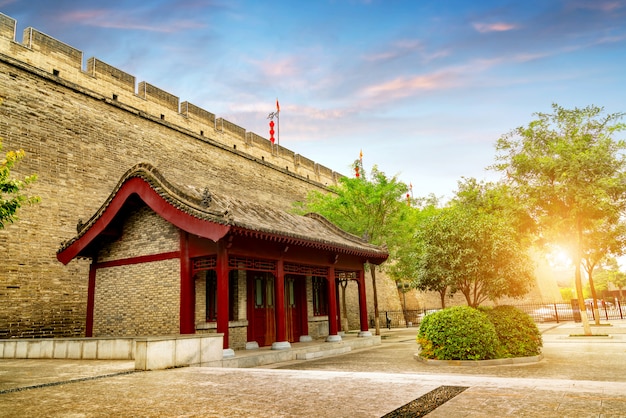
[
  {"x": 277, "y": 122},
  {"x": 271, "y": 117}
]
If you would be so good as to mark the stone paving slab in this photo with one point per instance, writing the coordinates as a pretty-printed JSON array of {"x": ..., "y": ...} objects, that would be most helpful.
[
  {"x": 218, "y": 392},
  {"x": 575, "y": 379}
]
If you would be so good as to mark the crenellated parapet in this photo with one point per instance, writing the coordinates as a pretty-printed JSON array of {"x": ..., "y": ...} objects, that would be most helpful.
[{"x": 59, "y": 61}]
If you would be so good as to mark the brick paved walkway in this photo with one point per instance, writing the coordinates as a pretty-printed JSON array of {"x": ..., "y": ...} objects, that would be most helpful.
[{"x": 577, "y": 378}]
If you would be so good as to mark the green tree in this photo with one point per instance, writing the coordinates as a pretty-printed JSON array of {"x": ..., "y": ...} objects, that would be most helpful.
[
  {"x": 477, "y": 254},
  {"x": 403, "y": 266},
  {"x": 499, "y": 200},
  {"x": 12, "y": 195},
  {"x": 610, "y": 274},
  {"x": 372, "y": 208},
  {"x": 569, "y": 170},
  {"x": 607, "y": 238},
  {"x": 618, "y": 279}
]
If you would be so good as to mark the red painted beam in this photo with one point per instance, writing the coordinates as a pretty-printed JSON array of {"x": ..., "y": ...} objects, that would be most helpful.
[
  {"x": 91, "y": 296},
  {"x": 332, "y": 302},
  {"x": 362, "y": 301},
  {"x": 279, "y": 290},
  {"x": 187, "y": 289},
  {"x": 222, "y": 293}
]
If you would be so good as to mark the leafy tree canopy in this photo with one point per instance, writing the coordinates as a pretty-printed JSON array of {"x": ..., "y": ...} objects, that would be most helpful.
[
  {"x": 373, "y": 209},
  {"x": 473, "y": 252},
  {"x": 567, "y": 167},
  {"x": 571, "y": 173}
]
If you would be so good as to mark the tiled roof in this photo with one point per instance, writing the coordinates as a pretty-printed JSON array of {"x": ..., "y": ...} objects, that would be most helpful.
[{"x": 243, "y": 217}]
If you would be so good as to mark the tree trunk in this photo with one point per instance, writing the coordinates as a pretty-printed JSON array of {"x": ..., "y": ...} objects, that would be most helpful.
[
  {"x": 442, "y": 295},
  {"x": 596, "y": 311},
  {"x": 579, "y": 283}
]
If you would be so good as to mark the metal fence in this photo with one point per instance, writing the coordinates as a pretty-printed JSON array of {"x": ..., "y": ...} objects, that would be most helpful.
[{"x": 540, "y": 312}]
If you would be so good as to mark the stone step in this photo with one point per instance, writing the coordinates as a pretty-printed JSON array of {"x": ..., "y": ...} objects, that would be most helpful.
[{"x": 298, "y": 351}]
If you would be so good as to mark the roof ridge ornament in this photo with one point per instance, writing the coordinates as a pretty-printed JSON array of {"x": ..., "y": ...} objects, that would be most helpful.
[{"x": 207, "y": 197}]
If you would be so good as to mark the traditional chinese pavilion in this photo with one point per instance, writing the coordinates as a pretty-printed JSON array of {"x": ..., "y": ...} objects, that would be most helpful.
[{"x": 167, "y": 259}]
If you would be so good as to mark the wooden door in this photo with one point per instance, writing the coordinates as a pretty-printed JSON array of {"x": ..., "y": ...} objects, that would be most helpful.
[
  {"x": 261, "y": 293},
  {"x": 295, "y": 307}
]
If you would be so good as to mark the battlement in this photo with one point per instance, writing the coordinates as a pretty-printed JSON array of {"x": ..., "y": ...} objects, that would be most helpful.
[{"x": 64, "y": 64}]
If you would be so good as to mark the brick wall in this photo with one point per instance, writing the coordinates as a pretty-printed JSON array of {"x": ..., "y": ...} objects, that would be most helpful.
[
  {"x": 81, "y": 131},
  {"x": 139, "y": 299}
]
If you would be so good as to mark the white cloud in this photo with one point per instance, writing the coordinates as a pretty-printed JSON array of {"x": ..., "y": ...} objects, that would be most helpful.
[{"x": 494, "y": 27}]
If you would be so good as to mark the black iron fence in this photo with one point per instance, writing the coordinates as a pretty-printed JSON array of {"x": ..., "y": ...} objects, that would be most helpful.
[{"x": 540, "y": 312}]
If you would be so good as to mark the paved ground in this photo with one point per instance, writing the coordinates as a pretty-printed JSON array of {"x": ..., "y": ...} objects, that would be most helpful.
[{"x": 577, "y": 378}]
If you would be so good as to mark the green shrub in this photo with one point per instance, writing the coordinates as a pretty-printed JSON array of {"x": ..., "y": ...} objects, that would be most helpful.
[
  {"x": 458, "y": 333},
  {"x": 517, "y": 332}
]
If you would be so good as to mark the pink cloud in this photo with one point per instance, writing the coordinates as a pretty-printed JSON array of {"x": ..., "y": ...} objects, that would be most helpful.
[
  {"x": 397, "y": 49},
  {"x": 104, "y": 18},
  {"x": 494, "y": 27},
  {"x": 407, "y": 86},
  {"x": 285, "y": 67}
]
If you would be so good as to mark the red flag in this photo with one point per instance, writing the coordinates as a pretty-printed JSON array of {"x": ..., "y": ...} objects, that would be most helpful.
[{"x": 277, "y": 106}]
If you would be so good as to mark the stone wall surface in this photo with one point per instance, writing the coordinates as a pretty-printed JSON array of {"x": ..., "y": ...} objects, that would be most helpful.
[{"x": 81, "y": 131}]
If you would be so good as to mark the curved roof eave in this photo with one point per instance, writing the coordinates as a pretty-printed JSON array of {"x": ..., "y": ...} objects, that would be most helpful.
[
  {"x": 140, "y": 187},
  {"x": 372, "y": 256},
  {"x": 193, "y": 215}
]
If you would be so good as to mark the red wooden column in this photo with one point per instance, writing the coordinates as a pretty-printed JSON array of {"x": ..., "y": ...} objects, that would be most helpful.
[
  {"x": 279, "y": 308},
  {"x": 187, "y": 289},
  {"x": 222, "y": 292},
  {"x": 91, "y": 294},
  {"x": 363, "y": 305},
  {"x": 332, "y": 307},
  {"x": 304, "y": 314}
]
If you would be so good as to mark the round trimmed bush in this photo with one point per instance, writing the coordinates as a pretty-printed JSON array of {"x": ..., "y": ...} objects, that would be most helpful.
[
  {"x": 458, "y": 333},
  {"x": 517, "y": 332}
]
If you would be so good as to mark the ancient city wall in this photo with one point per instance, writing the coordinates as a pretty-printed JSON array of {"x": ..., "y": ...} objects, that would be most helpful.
[{"x": 82, "y": 129}]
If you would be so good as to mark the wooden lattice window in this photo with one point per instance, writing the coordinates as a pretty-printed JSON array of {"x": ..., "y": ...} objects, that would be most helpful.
[
  {"x": 204, "y": 263},
  {"x": 305, "y": 270},
  {"x": 320, "y": 296},
  {"x": 211, "y": 295},
  {"x": 247, "y": 263}
]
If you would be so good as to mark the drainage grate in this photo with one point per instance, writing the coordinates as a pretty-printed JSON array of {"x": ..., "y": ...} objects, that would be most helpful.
[{"x": 427, "y": 403}]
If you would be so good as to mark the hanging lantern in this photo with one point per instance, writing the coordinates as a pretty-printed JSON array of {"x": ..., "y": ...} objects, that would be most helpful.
[{"x": 272, "y": 131}]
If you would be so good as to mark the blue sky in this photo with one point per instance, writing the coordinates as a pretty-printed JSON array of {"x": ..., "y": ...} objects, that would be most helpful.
[{"x": 424, "y": 88}]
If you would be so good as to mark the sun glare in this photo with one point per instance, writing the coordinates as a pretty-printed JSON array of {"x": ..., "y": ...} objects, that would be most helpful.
[{"x": 559, "y": 258}]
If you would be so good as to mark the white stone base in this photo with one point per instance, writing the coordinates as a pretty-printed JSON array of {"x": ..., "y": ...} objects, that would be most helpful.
[
  {"x": 252, "y": 345},
  {"x": 365, "y": 334},
  {"x": 306, "y": 338},
  {"x": 228, "y": 353},
  {"x": 282, "y": 345},
  {"x": 333, "y": 338}
]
